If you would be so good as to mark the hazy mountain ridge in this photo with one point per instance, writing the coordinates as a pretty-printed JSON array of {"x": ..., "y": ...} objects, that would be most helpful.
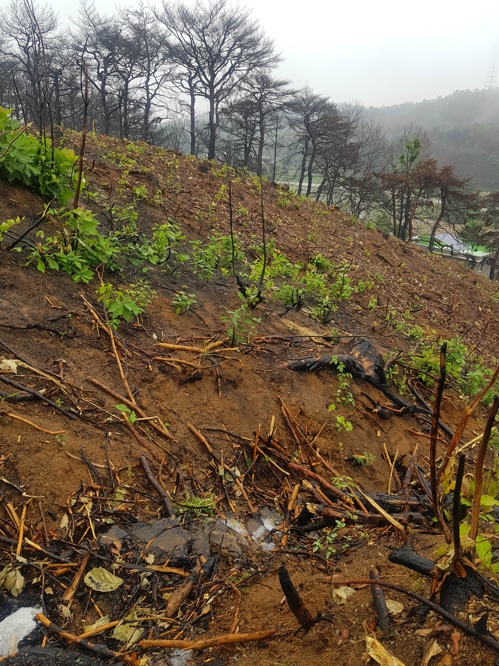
[{"x": 463, "y": 127}]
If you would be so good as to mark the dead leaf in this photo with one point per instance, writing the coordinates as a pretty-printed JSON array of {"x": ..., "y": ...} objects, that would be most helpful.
[
  {"x": 12, "y": 580},
  {"x": 394, "y": 607},
  {"x": 102, "y": 580},
  {"x": 423, "y": 632},
  {"x": 9, "y": 365},
  {"x": 128, "y": 630},
  {"x": 341, "y": 594},
  {"x": 431, "y": 650},
  {"x": 445, "y": 661},
  {"x": 101, "y": 621},
  {"x": 64, "y": 611},
  {"x": 380, "y": 654}
]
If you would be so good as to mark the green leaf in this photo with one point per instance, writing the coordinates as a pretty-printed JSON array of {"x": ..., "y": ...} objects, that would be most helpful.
[
  {"x": 484, "y": 550},
  {"x": 102, "y": 580},
  {"x": 123, "y": 408},
  {"x": 488, "y": 501},
  {"x": 464, "y": 529}
]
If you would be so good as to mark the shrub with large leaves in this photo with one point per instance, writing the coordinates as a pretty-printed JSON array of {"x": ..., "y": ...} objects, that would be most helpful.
[{"x": 28, "y": 160}]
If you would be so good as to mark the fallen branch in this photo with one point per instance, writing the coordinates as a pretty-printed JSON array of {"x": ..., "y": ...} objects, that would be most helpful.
[
  {"x": 143, "y": 443},
  {"x": 160, "y": 429},
  {"x": 236, "y": 480},
  {"x": 173, "y": 361},
  {"x": 39, "y": 395},
  {"x": 225, "y": 639},
  {"x": 235, "y": 620},
  {"x": 32, "y": 227},
  {"x": 399, "y": 529},
  {"x": 99, "y": 650},
  {"x": 30, "y": 423},
  {"x": 157, "y": 487},
  {"x": 99, "y": 630},
  {"x": 428, "y": 409},
  {"x": 195, "y": 350},
  {"x": 179, "y": 595},
  {"x": 71, "y": 590},
  {"x": 287, "y": 517},
  {"x": 336, "y": 492}
]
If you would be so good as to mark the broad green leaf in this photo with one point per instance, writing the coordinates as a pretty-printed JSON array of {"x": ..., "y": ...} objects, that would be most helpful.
[
  {"x": 102, "y": 580},
  {"x": 488, "y": 501}
]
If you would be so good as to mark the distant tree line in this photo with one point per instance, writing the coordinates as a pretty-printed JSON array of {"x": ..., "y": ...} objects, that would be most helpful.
[
  {"x": 202, "y": 79},
  {"x": 464, "y": 129}
]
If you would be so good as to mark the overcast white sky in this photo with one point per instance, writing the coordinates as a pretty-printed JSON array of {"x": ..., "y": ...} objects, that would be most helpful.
[{"x": 377, "y": 52}]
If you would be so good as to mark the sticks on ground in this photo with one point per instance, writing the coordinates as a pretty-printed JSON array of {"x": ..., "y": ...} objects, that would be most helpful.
[
  {"x": 226, "y": 639},
  {"x": 99, "y": 650},
  {"x": 209, "y": 448},
  {"x": 153, "y": 422},
  {"x": 338, "y": 494},
  {"x": 30, "y": 423},
  {"x": 39, "y": 395},
  {"x": 157, "y": 487},
  {"x": 467, "y": 628}
]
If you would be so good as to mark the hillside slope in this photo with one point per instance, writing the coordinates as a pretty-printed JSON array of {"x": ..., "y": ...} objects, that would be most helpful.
[{"x": 394, "y": 295}]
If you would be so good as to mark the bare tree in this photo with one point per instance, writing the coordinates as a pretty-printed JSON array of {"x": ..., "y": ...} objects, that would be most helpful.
[
  {"x": 216, "y": 47},
  {"x": 155, "y": 70},
  {"x": 261, "y": 98},
  {"x": 349, "y": 160},
  {"x": 96, "y": 42},
  {"x": 27, "y": 31},
  {"x": 311, "y": 118},
  {"x": 239, "y": 121}
]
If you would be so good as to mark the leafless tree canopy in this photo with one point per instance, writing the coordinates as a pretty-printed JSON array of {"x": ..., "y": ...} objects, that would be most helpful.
[{"x": 202, "y": 79}]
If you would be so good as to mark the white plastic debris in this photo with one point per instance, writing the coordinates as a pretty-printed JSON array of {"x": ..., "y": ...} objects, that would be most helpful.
[
  {"x": 15, "y": 628},
  {"x": 180, "y": 658}
]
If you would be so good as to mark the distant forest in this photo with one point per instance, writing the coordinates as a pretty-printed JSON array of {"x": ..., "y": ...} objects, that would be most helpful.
[
  {"x": 202, "y": 79},
  {"x": 463, "y": 128}
]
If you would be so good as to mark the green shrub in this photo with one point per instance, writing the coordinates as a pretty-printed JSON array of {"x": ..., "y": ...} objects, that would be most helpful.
[
  {"x": 127, "y": 304},
  {"x": 28, "y": 160}
]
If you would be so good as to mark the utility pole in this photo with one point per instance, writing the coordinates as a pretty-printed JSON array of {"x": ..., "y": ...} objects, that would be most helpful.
[{"x": 491, "y": 82}]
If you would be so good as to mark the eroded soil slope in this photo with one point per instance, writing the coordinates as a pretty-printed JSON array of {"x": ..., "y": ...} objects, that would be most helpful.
[{"x": 230, "y": 393}]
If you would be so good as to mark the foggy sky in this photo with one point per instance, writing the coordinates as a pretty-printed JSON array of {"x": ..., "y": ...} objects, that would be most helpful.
[{"x": 374, "y": 52}]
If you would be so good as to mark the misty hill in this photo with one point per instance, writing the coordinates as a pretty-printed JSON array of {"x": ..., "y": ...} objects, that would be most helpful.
[{"x": 464, "y": 129}]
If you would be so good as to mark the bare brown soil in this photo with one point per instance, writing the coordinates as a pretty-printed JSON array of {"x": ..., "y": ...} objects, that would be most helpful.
[{"x": 43, "y": 317}]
